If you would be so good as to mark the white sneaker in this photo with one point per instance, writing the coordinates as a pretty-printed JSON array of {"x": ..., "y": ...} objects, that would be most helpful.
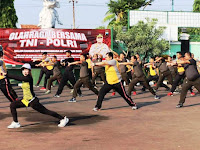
[
  {"x": 134, "y": 107},
  {"x": 63, "y": 122},
  {"x": 14, "y": 125},
  {"x": 47, "y": 92},
  {"x": 95, "y": 109}
]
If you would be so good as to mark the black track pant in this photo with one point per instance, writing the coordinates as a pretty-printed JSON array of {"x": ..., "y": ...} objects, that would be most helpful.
[
  {"x": 36, "y": 105},
  {"x": 54, "y": 78},
  {"x": 96, "y": 74},
  {"x": 84, "y": 81},
  {"x": 68, "y": 76},
  {"x": 143, "y": 81},
  {"x": 155, "y": 78},
  {"x": 7, "y": 90},
  {"x": 162, "y": 76},
  {"x": 176, "y": 82},
  {"x": 118, "y": 88},
  {"x": 48, "y": 75},
  {"x": 186, "y": 86},
  {"x": 42, "y": 72}
]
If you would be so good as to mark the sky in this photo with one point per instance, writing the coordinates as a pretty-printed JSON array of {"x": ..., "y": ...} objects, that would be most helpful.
[{"x": 89, "y": 13}]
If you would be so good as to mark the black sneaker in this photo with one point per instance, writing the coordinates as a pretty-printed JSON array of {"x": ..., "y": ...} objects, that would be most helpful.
[
  {"x": 72, "y": 100},
  {"x": 179, "y": 105}
]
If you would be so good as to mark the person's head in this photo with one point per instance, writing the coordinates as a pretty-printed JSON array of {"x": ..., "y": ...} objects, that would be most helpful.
[
  {"x": 44, "y": 55},
  {"x": 122, "y": 56},
  {"x": 26, "y": 69},
  {"x": 68, "y": 53},
  {"x": 192, "y": 55},
  {"x": 188, "y": 55},
  {"x": 83, "y": 57},
  {"x": 54, "y": 59},
  {"x": 95, "y": 56},
  {"x": 151, "y": 59},
  {"x": 179, "y": 55},
  {"x": 133, "y": 58},
  {"x": 109, "y": 56},
  {"x": 99, "y": 38},
  {"x": 169, "y": 58},
  {"x": 174, "y": 57},
  {"x": 137, "y": 55}
]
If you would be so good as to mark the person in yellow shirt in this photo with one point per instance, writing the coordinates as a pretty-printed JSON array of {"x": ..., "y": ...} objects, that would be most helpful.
[
  {"x": 153, "y": 74},
  {"x": 29, "y": 99},
  {"x": 113, "y": 78},
  {"x": 47, "y": 69},
  {"x": 89, "y": 61},
  {"x": 5, "y": 85},
  {"x": 179, "y": 76}
]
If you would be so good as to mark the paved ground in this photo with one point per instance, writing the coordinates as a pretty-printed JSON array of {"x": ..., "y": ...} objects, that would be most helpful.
[{"x": 156, "y": 125}]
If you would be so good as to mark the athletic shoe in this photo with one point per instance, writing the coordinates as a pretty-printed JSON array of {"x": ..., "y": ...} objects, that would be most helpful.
[
  {"x": 134, "y": 93},
  {"x": 95, "y": 109},
  {"x": 113, "y": 94},
  {"x": 36, "y": 85},
  {"x": 72, "y": 100},
  {"x": 192, "y": 94},
  {"x": 43, "y": 89},
  {"x": 80, "y": 95},
  {"x": 14, "y": 125},
  {"x": 170, "y": 94},
  {"x": 72, "y": 91},
  {"x": 56, "y": 96},
  {"x": 156, "y": 97},
  {"x": 179, "y": 105},
  {"x": 63, "y": 122},
  {"x": 134, "y": 107},
  {"x": 47, "y": 92}
]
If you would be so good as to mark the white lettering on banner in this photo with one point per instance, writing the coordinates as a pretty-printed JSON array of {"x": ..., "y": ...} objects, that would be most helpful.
[{"x": 47, "y": 35}]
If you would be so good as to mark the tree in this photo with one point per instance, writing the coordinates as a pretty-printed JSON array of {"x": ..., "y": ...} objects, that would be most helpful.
[
  {"x": 7, "y": 14},
  {"x": 194, "y": 32},
  {"x": 145, "y": 39},
  {"x": 118, "y": 10},
  {"x": 196, "y": 6}
]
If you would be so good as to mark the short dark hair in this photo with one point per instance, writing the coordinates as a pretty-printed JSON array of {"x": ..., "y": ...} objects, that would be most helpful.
[
  {"x": 110, "y": 54},
  {"x": 68, "y": 51},
  {"x": 55, "y": 57},
  {"x": 134, "y": 57},
  {"x": 45, "y": 53},
  {"x": 174, "y": 56},
  {"x": 179, "y": 53},
  {"x": 84, "y": 55},
  {"x": 189, "y": 54}
]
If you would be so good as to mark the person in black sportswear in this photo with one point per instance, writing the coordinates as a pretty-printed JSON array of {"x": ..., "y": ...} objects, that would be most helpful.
[{"x": 30, "y": 99}]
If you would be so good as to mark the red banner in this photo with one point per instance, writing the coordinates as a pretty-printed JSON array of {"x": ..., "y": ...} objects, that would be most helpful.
[{"x": 25, "y": 45}]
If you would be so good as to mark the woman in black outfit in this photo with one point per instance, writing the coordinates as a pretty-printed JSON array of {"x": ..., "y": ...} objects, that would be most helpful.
[{"x": 29, "y": 99}]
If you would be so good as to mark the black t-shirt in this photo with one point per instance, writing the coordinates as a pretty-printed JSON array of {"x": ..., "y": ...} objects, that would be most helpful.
[
  {"x": 191, "y": 71},
  {"x": 69, "y": 60}
]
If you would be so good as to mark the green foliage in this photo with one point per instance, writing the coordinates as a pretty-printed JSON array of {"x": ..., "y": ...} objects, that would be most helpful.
[
  {"x": 118, "y": 10},
  {"x": 7, "y": 14},
  {"x": 196, "y": 6},
  {"x": 195, "y": 32},
  {"x": 144, "y": 38},
  {"x": 101, "y": 27}
]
